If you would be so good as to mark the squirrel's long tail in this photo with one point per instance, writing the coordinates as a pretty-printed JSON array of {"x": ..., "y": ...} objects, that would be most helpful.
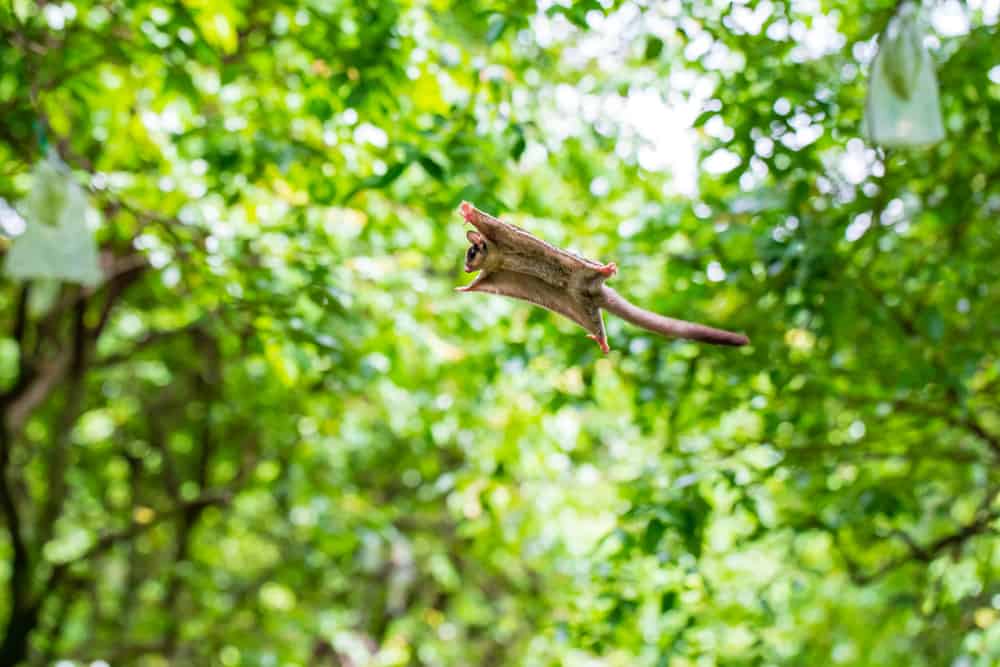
[{"x": 615, "y": 303}]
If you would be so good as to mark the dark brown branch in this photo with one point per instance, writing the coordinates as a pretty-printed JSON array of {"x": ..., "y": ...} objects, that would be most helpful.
[
  {"x": 52, "y": 629},
  {"x": 37, "y": 384},
  {"x": 27, "y": 45},
  {"x": 133, "y": 577},
  {"x": 59, "y": 454},
  {"x": 158, "y": 440},
  {"x": 23, "y": 614},
  {"x": 124, "y": 268},
  {"x": 977, "y": 428},
  {"x": 243, "y": 42},
  {"x": 915, "y": 552},
  {"x": 71, "y": 72},
  {"x": 182, "y": 541},
  {"x": 958, "y": 457},
  {"x": 19, "y": 333},
  {"x": 208, "y": 394},
  {"x": 114, "y": 269},
  {"x": 125, "y": 653},
  {"x": 967, "y": 423},
  {"x": 122, "y": 273},
  {"x": 43, "y": 382},
  {"x": 109, "y": 540},
  {"x": 21, "y": 315},
  {"x": 83, "y": 341},
  {"x": 20, "y": 575},
  {"x": 150, "y": 339}
]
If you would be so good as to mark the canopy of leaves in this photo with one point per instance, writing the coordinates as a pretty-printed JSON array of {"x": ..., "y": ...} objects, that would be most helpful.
[{"x": 273, "y": 434}]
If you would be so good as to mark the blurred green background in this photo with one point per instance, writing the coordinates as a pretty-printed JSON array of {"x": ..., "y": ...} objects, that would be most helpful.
[{"x": 273, "y": 435}]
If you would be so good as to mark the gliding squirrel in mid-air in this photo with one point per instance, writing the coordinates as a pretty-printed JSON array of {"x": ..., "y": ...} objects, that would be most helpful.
[{"x": 512, "y": 262}]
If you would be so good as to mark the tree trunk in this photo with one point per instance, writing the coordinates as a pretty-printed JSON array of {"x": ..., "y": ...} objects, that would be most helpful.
[{"x": 21, "y": 624}]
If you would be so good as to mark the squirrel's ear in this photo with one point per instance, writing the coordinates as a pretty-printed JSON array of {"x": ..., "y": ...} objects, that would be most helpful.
[{"x": 475, "y": 238}]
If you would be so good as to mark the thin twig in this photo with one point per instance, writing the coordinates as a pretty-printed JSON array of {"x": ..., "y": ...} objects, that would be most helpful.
[{"x": 109, "y": 540}]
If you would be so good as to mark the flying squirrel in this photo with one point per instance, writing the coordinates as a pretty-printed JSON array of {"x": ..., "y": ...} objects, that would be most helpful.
[{"x": 513, "y": 262}]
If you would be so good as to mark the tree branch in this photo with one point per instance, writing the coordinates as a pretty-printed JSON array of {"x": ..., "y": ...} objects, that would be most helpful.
[
  {"x": 149, "y": 340},
  {"x": 35, "y": 385},
  {"x": 109, "y": 540},
  {"x": 19, "y": 333},
  {"x": 958, "y": 457},
  {"x": 20, "y": 575},
  {"x": 83, "y": 341},
  {"x": 915, "y": 552},
  {"x": 34, "y": 394},
  {"x": 125, "y": 653},
  {"x": 53, "y": 628},
  {"x": 966, "y": 423},
  {"x": 21, "y": 316},
  {"x": 58, "y": 457},
  {"x": 207, "y": 347}
]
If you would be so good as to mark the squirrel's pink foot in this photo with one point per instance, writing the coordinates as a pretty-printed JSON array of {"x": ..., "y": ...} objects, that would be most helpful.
[
  {"x": 468, "y": 210},
  {"x": 608, "y": 269},
  {"x": 601, "y": 342}
]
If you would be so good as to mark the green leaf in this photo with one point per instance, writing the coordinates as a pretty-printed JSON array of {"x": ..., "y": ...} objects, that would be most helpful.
[
  {"x": 390, "y": 176},
  {"x": 320, "y": 108},
  {"x": 577, "y": 11},
  {"x": 380, "y": 182},
  {"x": 433, "y": 169},
  {"x": 654, "y": 47},
  {"x": 179, "y": 80},
  {"x": 703, "y": 118},
  {"x": 652, "y": 535},
  {"x": 517, "y": 150},
  {"x": 934, "y": 324},
  {"x": 322, "y": 191},
  {"x": 520, "y": 144}
]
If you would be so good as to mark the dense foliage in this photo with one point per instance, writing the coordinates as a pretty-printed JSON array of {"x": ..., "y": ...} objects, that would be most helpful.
[{"x": 274, "y": 435}]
